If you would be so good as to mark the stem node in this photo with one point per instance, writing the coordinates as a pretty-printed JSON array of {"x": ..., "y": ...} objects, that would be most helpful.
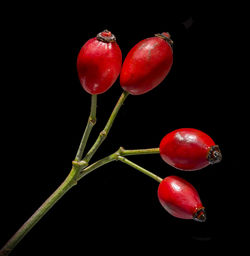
[
  {"x": 103, "y": 134},
  {"x": 92, "y": 121},
  {"x": 121, "y": 150},
  {"x": 79, "y": 164}
]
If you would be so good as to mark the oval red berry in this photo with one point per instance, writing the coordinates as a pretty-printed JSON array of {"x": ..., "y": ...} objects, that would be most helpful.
[
  {"x": 189, "y": 149},
  {"x": 147, "y": 64},
  {"x": 180, "y": 199},
  {"x": 99, "y": 63}
]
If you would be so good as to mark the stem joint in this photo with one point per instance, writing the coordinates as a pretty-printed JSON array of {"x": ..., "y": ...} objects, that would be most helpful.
[
  {"x": 79, "y": 164},
  {"x": 103, "y": 134},
  {"x": 92, "y": 121}
]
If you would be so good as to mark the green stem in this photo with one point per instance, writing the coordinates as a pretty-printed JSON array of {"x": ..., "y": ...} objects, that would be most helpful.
[
  {"x": 139, "y": 168},
  {"x": 77, "y": 172},
  {"x": 103, "y": 134},
  {"x": 97, "y": 164},
  {"x": 118, "y": 155},
  {"x": 68, "y": 183},
  {"x": 128, "y": 152},
  {"x": 73, "y": 176},
  {"x": 89, "y": 126}
]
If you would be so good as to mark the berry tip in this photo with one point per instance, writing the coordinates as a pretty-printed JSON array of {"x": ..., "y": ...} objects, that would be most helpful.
[
  {"x": 200, "y": 215},
  {"x": 214, "y": 155}
]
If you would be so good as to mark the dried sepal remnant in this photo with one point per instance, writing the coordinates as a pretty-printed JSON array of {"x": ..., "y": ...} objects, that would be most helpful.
[
  {"x": 214, "y": 154},
  {"x": 106, "y": 36}
]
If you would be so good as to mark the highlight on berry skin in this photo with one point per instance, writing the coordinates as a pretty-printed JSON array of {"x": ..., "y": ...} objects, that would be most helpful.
[
  {"x": 180, "y": 199},
  {"x": 189, "y": 149}
]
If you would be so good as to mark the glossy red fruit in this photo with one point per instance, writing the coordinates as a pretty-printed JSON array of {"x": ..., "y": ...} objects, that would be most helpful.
[
  {"x": 99, "y": 63},
  {"x": 189, "y": 149},
  {"x": 147, "y": 64},
  {"x": 180, "y": 199}
]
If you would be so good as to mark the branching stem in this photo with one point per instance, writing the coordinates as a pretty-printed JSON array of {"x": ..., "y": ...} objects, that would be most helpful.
[
  {"x": 103, "y": 134},
  {"x": 118, "y": 155},
  {"x": 80, "y": 169}
]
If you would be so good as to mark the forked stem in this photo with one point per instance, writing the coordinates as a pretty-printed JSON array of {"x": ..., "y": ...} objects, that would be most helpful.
[
  {"x": 103, "y": 134},
  {"x": 119, "y": 155},
  {"x": 73, "y": 176},
  {"x": 79, "y": 170}
]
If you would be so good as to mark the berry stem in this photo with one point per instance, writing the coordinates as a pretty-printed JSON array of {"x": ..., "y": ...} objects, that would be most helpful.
[
  {"x": 128, "y": 152},
  {"x": 97, "y": 164},
  {"x": 103, "y": 134},
  {"x": 114, "y": 157},
  {"x": 139, "y": 168},
  {"x": 89, "y": 126}
]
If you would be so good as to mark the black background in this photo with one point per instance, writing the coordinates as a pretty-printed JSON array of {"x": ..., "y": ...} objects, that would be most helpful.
[{"x": 44, "y": 111}]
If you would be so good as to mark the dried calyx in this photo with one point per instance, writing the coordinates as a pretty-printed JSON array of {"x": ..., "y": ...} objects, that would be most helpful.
[
  {"x": 166, "y": 36},
  {"x": 214, "y": 155},
  {"x": 106, "y": 36},
  {"x": 200, "y": 215}
]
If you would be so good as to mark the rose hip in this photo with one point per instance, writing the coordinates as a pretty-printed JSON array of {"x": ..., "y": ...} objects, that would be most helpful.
[
  {"x": 147, "y": 64},
  {"x": 99, "y": 63},
  {"x": 180, "y": 199},
  {"x": 189, "y": 149}
]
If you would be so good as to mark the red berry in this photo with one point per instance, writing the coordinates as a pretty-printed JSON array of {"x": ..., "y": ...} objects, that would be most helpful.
[
  {"x": 147, "y": 64},
  {"x": 189, "y": 149},
  {"x": 180, "y": 199},
  {"x": 99, "y": 63}
]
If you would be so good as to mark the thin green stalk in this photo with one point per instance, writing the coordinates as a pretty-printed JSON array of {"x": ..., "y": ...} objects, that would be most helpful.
[
  {"x": 74, "y": 176},
  {"x": 139, "y": 168},
  {"x": 103, "y": 134},
  {"x": 128, "y": 152},
  {"x": 97, "y": 164},
  {"x": 89, "y": 126},
  {"x": 116, "y": 156},
  {"x": 68, "y": 183}
]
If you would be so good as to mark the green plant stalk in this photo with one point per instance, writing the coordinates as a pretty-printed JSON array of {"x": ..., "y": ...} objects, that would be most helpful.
[
  {"x": 68, "y": 183},
  {"x": 91, "y": 122},
  {"x": 129, "y": 152},
  {"x": 77, "y": 172},
  {"x": 116, "y": 156},
  {"x": 73, "y": 176},
  {"x": 103, "y": 134},
  {"x": 139, "y": 168}
]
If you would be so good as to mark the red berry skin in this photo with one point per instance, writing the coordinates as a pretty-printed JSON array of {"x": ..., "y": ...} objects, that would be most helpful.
[
  {"x": 180, "y": 199},
  {"x": 99, "y": 63},
  {"x": 189, "y": 149},
  {"x": 146, "y": 65}
]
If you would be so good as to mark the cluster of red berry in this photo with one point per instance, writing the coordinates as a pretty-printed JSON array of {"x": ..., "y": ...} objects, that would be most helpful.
[{"x": 99, "y": 64}]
